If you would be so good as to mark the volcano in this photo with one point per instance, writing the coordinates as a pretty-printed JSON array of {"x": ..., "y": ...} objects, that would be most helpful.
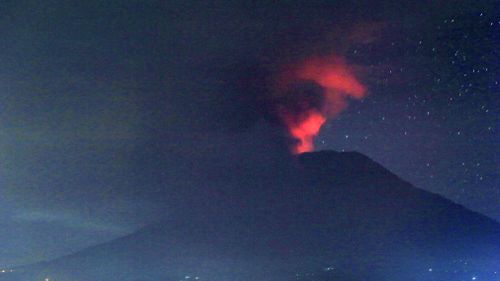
[{"x": 336, "y": 216}]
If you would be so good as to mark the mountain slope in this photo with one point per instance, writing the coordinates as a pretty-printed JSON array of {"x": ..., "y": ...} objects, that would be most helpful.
[{"x": 336, "y": 216}]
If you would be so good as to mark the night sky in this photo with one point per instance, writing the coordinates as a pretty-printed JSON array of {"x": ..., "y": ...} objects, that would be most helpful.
[{"x": 106, "y": 106}]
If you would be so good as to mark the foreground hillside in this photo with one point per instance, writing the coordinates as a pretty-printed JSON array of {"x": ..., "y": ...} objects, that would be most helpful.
[{"x": 337, "y": 216}]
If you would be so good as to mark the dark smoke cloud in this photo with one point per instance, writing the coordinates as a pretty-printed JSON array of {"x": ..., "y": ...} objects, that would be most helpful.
[{"x": 298, "y": 97}]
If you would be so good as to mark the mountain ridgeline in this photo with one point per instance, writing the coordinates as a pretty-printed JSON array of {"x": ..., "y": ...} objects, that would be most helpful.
[{"x": 334, "y": 216}]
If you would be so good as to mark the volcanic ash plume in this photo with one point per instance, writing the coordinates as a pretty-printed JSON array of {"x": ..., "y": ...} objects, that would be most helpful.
[{"x": 310, "y": 92}]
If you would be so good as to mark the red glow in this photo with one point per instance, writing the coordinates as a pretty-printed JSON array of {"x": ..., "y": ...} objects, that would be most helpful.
[
  {"x": 304, "y": 130},
  {"x": 338, "y": 83},
  {"x": 332, "y": 74}
]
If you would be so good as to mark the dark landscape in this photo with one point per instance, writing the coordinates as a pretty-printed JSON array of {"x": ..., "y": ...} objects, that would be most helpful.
[
  {"x": 337, "y": 216},
  {"x": 329, "y": 140}
]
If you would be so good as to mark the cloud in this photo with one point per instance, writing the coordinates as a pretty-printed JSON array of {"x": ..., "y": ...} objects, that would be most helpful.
[
  {"x": 366, "y": 32},
  {"x": 65, "y": 219}
]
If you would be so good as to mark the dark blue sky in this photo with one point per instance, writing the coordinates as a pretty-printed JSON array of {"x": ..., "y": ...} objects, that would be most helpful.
[{"x": 104, "y": 105}]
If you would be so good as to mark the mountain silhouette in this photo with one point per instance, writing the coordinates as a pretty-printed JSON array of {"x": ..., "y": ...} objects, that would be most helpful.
[{"x": 334, "y": 216}]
